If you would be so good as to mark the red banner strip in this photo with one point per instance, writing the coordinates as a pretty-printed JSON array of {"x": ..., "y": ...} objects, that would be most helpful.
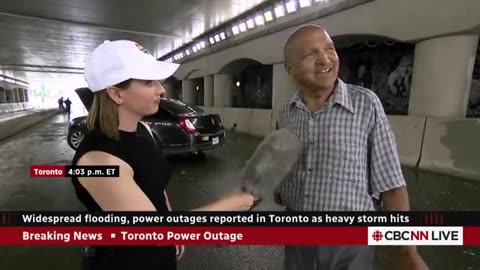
[
  {"x": 197, "y": 236},
  {"x": 183, "y": 235},
  {"x": 47, "y": 171},
  {"x": 471, "y": 236}
]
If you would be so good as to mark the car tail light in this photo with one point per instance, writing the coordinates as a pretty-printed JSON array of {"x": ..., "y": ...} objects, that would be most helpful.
[{"x": 187, "y": 125}]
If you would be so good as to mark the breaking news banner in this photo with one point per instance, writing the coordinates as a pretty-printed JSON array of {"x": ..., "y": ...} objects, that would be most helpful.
[
  {"x": 240, "y": 228},
  {"x": 69, "y": 171}
]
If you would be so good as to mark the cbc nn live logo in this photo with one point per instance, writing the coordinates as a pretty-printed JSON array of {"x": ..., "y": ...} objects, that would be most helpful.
[{"x": 426, "y": 236}]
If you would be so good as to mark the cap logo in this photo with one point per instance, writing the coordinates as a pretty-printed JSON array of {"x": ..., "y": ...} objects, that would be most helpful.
[{"x": 141, "y": 48}]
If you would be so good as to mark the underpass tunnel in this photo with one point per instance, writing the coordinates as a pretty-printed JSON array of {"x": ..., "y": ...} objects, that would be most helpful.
[{"x": 227, "y": 96}]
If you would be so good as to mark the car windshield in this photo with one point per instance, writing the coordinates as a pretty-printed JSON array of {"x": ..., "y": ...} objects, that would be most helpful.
[{"x": 178, "y": 107}]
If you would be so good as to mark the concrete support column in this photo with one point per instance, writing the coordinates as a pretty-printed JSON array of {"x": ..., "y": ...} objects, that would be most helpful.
[
  {"x": 27, "y": 98},
  {"x": 442, "y": 75},
  {"x": 21, "y": 94},
  {"x": 3, "y": 96},
  {"x": 208, "y": 91},
  {"x": 283, "y": 86},
  {"x": 283, "y": 91},
  {"x": 169, "y": 90},
  {"x": 16, "y": 94},
  {"x": 222, "y": 90},
  {"x": 188, "y": 92}
]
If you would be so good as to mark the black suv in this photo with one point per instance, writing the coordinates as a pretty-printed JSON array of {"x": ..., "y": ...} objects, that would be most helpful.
[{"x": 179, "y": 128}]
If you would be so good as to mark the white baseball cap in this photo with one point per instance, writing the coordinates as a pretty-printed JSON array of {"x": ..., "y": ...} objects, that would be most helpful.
[{"x": 113, "y": 62}]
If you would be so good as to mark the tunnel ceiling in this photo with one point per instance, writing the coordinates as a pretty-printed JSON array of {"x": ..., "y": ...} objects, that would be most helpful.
[{"x": 56, "y": 36}]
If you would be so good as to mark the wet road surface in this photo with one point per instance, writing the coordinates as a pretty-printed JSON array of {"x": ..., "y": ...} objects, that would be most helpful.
[{"x": 195, "y": 181}]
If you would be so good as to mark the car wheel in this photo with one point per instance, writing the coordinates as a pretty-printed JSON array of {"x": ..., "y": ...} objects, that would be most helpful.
[{"x": 75, "y": 137}]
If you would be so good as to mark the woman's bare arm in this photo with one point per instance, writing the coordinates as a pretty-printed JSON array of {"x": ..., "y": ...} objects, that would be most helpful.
[
  {"x": 123, "y": 194},
  {"x": 114, "y": 193}
]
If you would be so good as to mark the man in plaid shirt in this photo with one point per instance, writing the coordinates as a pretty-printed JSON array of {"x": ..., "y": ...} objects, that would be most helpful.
[{"x": 349, "y": 159}]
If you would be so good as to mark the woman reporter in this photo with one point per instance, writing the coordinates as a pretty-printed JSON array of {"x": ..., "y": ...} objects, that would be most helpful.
[{"x": 125, "y": 80}]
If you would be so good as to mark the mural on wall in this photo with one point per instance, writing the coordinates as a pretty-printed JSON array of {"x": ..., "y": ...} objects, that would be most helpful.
[
  {"x": 473, "y": 109},
  {"x": 384, "y": 67},
  {"x": 254, "y": 89}
]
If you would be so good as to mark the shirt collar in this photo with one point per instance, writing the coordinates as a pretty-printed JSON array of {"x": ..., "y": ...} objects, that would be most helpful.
[{"x": 340, "y": 96}]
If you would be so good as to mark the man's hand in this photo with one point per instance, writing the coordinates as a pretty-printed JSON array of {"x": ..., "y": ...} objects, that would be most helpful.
[
  {"x": 397, "y": 200},
  {"x": 180, "y": 251},
  {"x": 410, "y": 259},
  {"x": 412, "y": 262}
]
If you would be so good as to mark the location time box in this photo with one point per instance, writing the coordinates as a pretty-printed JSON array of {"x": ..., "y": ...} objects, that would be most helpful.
[{"x": 92, "y": 171}]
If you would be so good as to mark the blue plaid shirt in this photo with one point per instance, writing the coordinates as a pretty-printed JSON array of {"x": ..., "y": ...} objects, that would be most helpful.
[{"x": 349, "y": 155}]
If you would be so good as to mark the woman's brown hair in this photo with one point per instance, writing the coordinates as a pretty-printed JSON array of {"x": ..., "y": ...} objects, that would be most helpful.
[{"x": 103, "y": 115}]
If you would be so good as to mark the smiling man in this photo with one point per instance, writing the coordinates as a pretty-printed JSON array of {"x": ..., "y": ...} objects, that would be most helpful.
[{"x": 349, "y": 161}]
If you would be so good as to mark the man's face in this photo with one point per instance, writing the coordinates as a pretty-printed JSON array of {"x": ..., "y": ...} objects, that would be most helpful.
[{"x": 313, "y": 61}]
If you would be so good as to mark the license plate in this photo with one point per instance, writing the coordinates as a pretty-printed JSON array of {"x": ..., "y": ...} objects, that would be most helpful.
[
  {"x": 205, "y": 138},
  {"x": 215, "y": 140}
]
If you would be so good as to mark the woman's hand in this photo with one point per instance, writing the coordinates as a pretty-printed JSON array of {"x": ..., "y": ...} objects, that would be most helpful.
[{"x": 236, "y": 201}]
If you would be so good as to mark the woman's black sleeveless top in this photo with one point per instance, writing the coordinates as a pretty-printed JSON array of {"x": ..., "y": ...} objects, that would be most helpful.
[{"x": 151, "y": 173}]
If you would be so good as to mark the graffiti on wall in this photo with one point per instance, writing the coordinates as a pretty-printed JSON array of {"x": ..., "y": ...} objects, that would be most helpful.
[
  {"x": 384, "y": 67},
  {"x": 473, "y": 109}
]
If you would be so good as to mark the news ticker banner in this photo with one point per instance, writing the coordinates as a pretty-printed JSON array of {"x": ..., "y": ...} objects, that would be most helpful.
[
  {"x": 73, "y": 171},
  {"x": 233, "y": 228},
  {"x": 248, "y": 218}
]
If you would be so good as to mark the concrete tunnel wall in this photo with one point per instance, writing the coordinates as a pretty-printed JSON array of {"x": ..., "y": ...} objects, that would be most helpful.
[
  {"x": 451, "y": 147},
  {"x": 401, "y": 20},
  {"x": 15, "y": 107},
  {"x": 10, "y": 127},
  {"x": 14, "y": 98},
  {"x": 18, "y": 112},
  {"x": 435, "y": 144}
]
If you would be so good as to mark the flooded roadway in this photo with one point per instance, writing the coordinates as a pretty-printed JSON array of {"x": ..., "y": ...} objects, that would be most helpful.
[{"x": 196, "y": 181}]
